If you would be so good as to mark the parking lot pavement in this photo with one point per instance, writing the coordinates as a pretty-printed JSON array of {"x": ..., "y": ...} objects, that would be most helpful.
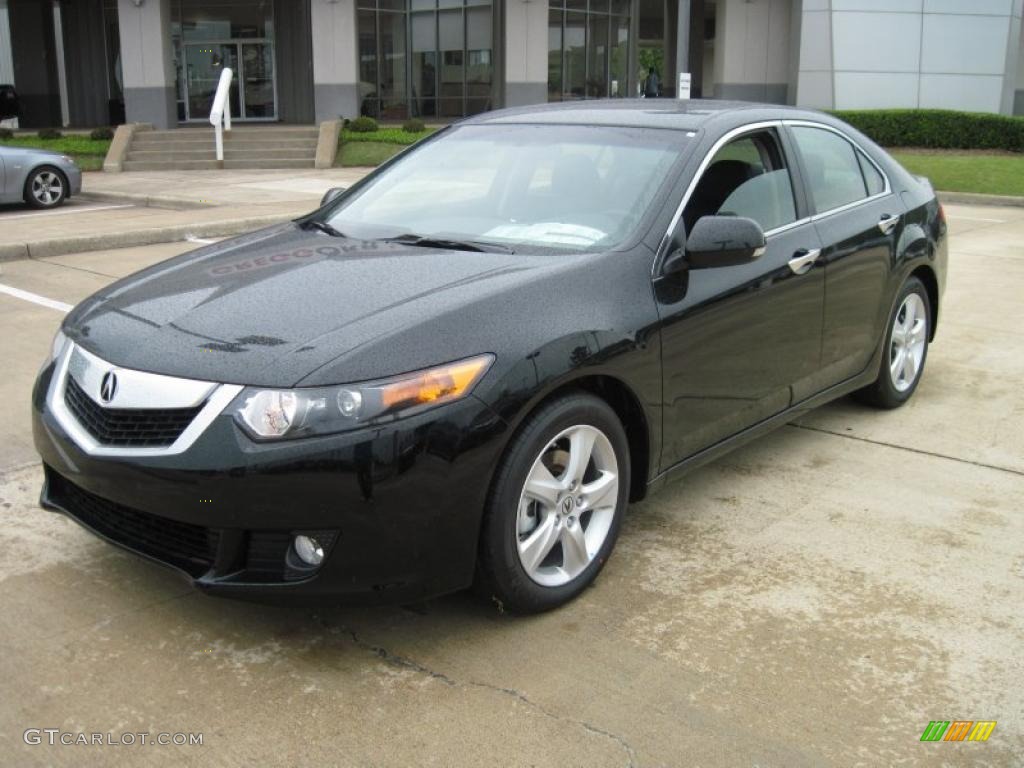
[
  {"x": 119, "y": 210},
  {"x": 814, "y": 599}
]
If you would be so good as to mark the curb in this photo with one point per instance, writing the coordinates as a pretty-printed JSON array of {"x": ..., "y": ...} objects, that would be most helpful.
[
  {"x": 61, "y": 246},
  {"x": 976, "y": 198},
  {"x": 146, "y": 201}
]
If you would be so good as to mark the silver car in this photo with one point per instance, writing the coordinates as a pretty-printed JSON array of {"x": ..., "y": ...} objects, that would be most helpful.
[{"x": 41, "y": 178}]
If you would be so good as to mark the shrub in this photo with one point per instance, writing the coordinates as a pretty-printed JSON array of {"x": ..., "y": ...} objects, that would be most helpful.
[
  {"x": 938, "y": 128},
  {"x": 363, "y": 125},
  {"x": 415, "y": 125},
  {"x": 49, "y": 133},
  {"x": 6, "y": 133},
  {"x": 102, "y": 134}
]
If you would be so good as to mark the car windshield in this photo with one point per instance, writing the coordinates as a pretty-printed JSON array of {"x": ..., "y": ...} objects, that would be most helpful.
[{"x": 528, "y": 187}]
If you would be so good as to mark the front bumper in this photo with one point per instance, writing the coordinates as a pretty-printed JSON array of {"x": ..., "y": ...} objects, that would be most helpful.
[
  {"x": 74, "y": 180},
  {"x": 398, "y": 505}
]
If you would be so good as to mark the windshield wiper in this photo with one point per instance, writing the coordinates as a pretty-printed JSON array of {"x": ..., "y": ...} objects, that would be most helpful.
[
  {"x": 323, "y": 226},
  {"x": 441, "y": 242}
]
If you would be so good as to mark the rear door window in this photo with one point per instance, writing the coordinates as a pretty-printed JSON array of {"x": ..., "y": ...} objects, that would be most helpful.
[{"x": 833, "y": 168}]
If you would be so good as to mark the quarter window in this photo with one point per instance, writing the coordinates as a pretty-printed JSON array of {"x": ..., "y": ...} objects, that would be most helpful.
[
  {"x": 747, "y": 177},
  {"x": 872, "y": 178},
  {"x": 834, "y": 169}
]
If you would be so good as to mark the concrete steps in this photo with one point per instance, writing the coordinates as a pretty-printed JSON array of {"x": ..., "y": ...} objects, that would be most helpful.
[{"x": 192, "y": 149}]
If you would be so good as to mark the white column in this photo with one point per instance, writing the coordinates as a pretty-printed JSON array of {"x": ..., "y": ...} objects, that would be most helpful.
[
  {"x": 526, "y": 52},
  {"x": 147, "y": 63},
  {"x": 335, "y": 59}
]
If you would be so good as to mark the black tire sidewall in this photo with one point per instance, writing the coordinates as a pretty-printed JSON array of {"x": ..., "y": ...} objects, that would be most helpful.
[
  {"x": 30, "y": 198},
  {"x": 886, "y": 390},
  {"x": 503, "y": 573}
]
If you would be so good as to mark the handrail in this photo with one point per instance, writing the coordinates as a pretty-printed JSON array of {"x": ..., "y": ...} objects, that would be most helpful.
[{"x": 220, "y": 117}]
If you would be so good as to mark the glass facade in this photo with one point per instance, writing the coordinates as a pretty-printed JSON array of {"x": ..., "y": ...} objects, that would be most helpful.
[
  {"x": 588, "y": 49},
  {"x": 425, "y": 58},
  {"x": 209, "y": 35}
]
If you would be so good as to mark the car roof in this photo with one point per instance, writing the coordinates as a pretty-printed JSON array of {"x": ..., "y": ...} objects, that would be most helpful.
[{"x": 678, "y": 114}]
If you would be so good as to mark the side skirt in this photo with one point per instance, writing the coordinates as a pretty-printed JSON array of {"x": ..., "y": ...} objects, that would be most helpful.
[{"x": 711, "y": 453}]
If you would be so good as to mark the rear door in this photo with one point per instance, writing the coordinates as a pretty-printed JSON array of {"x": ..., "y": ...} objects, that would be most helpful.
[{"x": 858, "y": 219}]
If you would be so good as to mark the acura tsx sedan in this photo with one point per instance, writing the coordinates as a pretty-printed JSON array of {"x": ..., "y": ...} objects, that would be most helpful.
[{"x": 463, "y": 368}]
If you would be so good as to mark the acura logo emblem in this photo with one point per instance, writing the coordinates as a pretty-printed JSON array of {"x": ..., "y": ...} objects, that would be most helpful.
[
  {"x": 108, "y": 386},
  {"x": 567, "y": 504}
]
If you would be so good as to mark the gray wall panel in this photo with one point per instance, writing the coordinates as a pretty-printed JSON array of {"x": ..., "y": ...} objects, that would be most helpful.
[
  {"x": 85, "y": 63},
  {"x": 35, "y": 62},
  {"x": 293, "y": 46}
]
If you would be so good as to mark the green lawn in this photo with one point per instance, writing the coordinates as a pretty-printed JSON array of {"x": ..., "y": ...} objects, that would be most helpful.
[
  {"x": 87, "y": 153},
  {"x": 373, "y": 148},
  {"x": 993, "y": 174},
  {"x": 365, "y": 153}
]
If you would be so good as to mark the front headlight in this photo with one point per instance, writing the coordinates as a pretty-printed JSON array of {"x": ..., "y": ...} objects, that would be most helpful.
[
  {"x": 269, "y": 414},
  {"x": 57, "y": 346},
  {"x": 68, "y": 160}
]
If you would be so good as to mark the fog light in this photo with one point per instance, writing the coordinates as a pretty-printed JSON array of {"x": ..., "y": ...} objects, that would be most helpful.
[{"x": 309, "y": 550}]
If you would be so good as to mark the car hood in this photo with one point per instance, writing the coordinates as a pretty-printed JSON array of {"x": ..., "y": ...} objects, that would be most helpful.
[{"x": 275, "y": 307}]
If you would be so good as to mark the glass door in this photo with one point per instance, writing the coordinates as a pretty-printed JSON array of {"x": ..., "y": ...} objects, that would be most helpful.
[
  {"x": 253, "y": 93},
  {"x": 257, "y": 78},
  {"x": 203, "y": 64}
]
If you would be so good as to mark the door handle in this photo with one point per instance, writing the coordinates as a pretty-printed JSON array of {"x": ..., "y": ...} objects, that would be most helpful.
[
  {"x": 887, "y": 223},
  {"x": 803, "y": 260}
]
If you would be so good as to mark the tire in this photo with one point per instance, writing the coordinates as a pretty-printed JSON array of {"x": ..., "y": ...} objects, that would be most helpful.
[
  {"x": 898, "y": 380},
  {"x": 45, "y": 187},
  {"x": 524, "y": 519}
]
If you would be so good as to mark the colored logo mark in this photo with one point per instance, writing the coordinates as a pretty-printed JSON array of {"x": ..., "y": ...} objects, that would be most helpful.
[{"x": 958, "y": 730}]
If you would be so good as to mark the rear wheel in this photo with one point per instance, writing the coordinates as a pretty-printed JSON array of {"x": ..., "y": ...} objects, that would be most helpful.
[
  {"x": 905, "y": 351},
  {"x": 556, "y": 506},
  {"x": 45, "y": 187}
]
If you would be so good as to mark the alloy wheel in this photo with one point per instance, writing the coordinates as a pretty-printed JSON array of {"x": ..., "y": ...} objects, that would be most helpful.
[
  {"x": 47, "y": 187},
  {"x": 567, "y": 505},
  {"x": 909, "y": 336}
]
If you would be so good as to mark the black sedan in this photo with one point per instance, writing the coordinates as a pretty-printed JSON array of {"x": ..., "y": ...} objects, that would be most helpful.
[{"x": 463, "y": 368}]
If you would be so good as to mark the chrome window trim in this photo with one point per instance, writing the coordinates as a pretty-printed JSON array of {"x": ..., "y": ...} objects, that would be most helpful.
[
  {"x": 218, "y": 397},
  {"x": 761, "y": 125}
]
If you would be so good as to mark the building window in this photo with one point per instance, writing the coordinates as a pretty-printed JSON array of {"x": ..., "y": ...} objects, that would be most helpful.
[
  {"x": 425, "y": 58},
  {"x": 588, "y": 49}
]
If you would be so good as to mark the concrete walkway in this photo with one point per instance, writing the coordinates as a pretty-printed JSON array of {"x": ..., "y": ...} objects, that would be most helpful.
[{"x": 117, "y": 210}]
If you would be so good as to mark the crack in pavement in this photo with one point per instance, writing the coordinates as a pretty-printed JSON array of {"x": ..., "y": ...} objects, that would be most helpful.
[
  {"x": 406, "y": 663},
  {"x": 911, "y": 450}
]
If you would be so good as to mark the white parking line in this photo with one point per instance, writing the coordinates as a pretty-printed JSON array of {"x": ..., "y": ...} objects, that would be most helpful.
[
  {"x": 973, "y": 218},
  {"x": 35, "y": 298},
  {"x": 202, "y": 241},
  {"x": 65, "y": 211}
]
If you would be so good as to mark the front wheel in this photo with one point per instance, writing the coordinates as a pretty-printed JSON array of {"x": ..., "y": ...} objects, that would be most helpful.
[
  {"x": 905, "y": 351},
  {"x": 45, "y": 188},
  {"x": 556, "y": 505}
]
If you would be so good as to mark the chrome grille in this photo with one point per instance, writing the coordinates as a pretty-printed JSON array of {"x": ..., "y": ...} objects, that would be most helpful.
[{"x": 138, "y": 427}]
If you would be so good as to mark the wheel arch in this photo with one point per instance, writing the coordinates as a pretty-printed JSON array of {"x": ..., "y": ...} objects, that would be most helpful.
[
  {"x": 624, "y": 401},
  {"x": 927, "y": 276}
]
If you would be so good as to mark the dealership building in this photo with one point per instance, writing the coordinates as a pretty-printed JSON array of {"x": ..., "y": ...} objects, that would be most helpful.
[{"x": 99, "y": 62}]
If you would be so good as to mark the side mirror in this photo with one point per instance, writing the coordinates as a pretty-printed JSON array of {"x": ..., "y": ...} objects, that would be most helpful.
[
  {"x": 330, "y": 194},
  {"x": 723, "y": 241}
]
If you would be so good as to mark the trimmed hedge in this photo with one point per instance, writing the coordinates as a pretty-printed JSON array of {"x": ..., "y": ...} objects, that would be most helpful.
[
  {"x": 362, "y": 125},
  {"x": 937, "y": 128}
]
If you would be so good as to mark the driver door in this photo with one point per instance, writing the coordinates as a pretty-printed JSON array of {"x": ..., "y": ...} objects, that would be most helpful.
[{"x": 741, "y": 343}]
